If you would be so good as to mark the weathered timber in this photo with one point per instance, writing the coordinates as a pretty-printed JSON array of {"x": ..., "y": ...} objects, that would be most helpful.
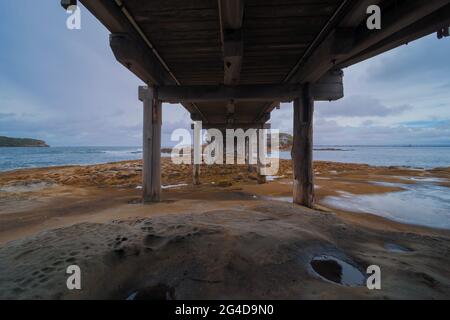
[
  {"x": 151, "y": 171},
  {"x": 331, "y": 88},
  {"x": 303, "y": 193},
  {"x": 231, "y": 14}
]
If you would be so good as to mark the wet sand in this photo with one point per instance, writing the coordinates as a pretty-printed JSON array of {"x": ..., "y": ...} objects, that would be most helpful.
[{"x": 225, "y": 239}]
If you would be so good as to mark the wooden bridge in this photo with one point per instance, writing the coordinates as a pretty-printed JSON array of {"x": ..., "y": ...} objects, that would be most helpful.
[{"x": 231, "y": 62}]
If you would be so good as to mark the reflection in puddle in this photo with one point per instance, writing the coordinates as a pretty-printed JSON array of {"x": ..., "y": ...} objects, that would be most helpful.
[
  {"x": 174, "y": 186},
  {"x": 282, "y": 199},
  {"x": 27, "y": 187},
  {"x": 337, "y": 271},
  {"x": 425, "y": 179},
  {"x": 422, "y": 203},
  {"x": 395, "y": 248}
]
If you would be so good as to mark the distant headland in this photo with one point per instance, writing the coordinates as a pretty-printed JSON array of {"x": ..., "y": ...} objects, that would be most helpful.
[{"x": 21, "y": 142}]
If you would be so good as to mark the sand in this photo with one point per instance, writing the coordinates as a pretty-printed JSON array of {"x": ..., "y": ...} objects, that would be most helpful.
[{"x": 225, "y": 239}]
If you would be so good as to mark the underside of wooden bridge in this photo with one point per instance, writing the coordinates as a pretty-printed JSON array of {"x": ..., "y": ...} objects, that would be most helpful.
[{"x": 231, "y": 62}]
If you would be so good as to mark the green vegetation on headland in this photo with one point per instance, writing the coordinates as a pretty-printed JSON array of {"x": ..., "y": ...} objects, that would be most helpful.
[
  {"x": 18, "y": 142},
  {"x": 287, "y": 141}
]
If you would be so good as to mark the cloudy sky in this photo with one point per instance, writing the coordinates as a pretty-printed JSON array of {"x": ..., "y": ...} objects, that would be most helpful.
[{"x": 65, "y": 87}]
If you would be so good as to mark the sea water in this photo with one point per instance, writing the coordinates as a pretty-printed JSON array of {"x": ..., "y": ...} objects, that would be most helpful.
[
  {"x": 19, "y": 158},
  {"x": 415, "y": 157},
  {"x": 425, "y": 203}
]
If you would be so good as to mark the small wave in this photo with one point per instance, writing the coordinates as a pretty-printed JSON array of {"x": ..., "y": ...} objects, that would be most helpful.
[{"x": 122, "y": 152}]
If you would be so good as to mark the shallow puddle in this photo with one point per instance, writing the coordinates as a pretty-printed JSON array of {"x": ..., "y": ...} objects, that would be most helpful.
[
  {"x": 337, "y": 271},
  {"x": 282, "y": 199},
  {"x": 27, "y": 187},
  {"x": 395, "y": 248},
  {"x": 423, "y": 203}
]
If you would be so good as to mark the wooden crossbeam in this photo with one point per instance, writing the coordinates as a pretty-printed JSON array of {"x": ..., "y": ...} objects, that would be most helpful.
[
  {"x": 210, "y": 93},
  {"x": 331, "y": 88},
  {"x": 243, "y": 126}
]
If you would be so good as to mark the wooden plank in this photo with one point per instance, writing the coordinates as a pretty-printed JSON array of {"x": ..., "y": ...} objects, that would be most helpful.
[
  {"x": 171, "y": 6},
  {"x": 290, "y": 10},
  {"x": 151, "y": 170},
  {"x": 303, "y": 191}
]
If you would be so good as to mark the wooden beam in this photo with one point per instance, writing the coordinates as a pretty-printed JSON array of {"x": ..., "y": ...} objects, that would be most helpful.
[
  {"x": 330, "y": 88},
  {"x": 209, "y": 93},
  {"x": 395, "y": 20},
  {"x": 231, "y": 14},
  {"x": 138, "y": 55},
  {"x": 421, "y": 28},
  {"x": 244, "y": 126},
  {"x": 348, "y": 14},
  {"x": 303, "y": 193},
  {"x": 138, "y": 59},
  {"x": 136, "y": 52},
  {"x": 151, "y": 170},
  {"x": 326, "y": 56}
]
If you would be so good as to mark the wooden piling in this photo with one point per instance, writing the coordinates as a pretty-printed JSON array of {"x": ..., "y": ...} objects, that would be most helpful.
[
  {"x": 303, "y": 193},
  {"x": 260, "y": 144},
  {"x": 151, "y": 170}
]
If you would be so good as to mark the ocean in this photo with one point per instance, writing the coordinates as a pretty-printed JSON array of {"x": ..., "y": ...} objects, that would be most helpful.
[
  {"x": 426, "y": 203},
  {"x": 414, "y": 157},
  {"x": 19, "y": 158}
]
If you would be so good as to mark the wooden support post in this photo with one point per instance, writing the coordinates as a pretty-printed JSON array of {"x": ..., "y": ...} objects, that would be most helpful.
[
  {"x": 303, "y": 149},
  {"x": 151, "y": 170},
  {"x": 260, "y": 144},
  {"x": 196, "y": 157},
  {"x": 196, "y": 174},
  {"x": 247, "y": 155}
]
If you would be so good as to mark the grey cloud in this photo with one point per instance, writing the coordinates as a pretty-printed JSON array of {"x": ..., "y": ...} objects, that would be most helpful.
[
  {"x": 330, "y": 132},
  {"x": 358, "y": 106},
  {"x": 422, "y": 60},
  {"x": 4, "y": 116}
]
